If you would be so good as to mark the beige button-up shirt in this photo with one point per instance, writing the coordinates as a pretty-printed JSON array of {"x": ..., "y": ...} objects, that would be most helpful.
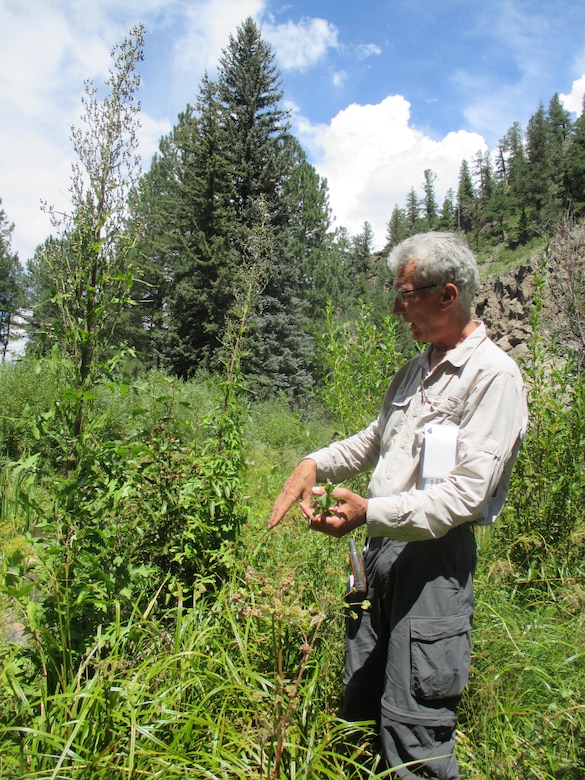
[{"x": 478, "y": 389}]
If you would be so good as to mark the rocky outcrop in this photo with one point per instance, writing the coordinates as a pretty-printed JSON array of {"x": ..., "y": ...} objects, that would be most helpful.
[{"x": 505, "y": 304}]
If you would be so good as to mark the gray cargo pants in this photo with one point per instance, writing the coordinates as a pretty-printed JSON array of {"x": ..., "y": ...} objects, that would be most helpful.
[{"x": 408, "y": 651}]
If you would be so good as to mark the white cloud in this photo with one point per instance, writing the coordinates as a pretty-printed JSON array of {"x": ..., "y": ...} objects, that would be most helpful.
[
  {"x": 149, "y": 135},
  {"x": 574, "y": 100},
  {"x": 298, "y": 46},
  {"x": 207, "y": 26},
  {"x": 371, "y": 157},
  {"x": 46, "y": 52},
  {"x": 339, "y": 78},
  {"x": 368, "y": 50}
]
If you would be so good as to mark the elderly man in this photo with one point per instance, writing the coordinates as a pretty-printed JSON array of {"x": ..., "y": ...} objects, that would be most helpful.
[{"x": 441, "y": 449}]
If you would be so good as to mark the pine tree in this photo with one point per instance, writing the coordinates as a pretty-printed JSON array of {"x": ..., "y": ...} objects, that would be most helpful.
[
  {"x": 12, "y": 284},
  {"x": 560, "y": 128},
  {"x": 466, "y": 217},
  {"x": 430, "y": 208},
  {"x": 397, "y": 227},
  {"x": 576, "y": 166}
]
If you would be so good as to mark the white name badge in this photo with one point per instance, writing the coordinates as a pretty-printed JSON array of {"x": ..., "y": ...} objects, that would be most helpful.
[{"x": 439, "y": 453}]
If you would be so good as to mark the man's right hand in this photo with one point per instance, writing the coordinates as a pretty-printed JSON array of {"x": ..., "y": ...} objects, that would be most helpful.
[{"x": 298, "y": 487}]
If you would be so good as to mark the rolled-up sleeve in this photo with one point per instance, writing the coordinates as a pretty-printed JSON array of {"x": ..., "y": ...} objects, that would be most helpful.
[{"x": 344, "y": 459}]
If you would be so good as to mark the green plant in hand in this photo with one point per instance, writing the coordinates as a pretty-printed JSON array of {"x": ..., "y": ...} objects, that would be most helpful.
[{"x": 322, "y": 504}]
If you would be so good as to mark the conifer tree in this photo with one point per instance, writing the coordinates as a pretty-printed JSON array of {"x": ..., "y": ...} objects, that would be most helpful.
[
  {"x": 447, "y": 216},
  {"x": 397, "y": 227},
  {"x": 430, "y": 208},
  {"x": 145, "y": 324},
  {"x": 576, "y": 166},
  {"x": 267, "y": 194},
  {"x": 465, "y": 199},
  {"x": 539, "y": 171},
  {"x": 204, "y": 235},
  {"x": 12, "y": 285},
  {"x": 254, "y": 123},
  {"x": 560, "y": 126}
]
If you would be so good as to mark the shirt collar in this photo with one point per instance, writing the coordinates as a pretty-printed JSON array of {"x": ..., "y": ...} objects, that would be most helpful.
[{"x": 461, "y": 354}]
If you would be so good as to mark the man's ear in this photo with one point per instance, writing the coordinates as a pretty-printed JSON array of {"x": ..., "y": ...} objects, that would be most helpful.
[{"x": 449, "y": 294}]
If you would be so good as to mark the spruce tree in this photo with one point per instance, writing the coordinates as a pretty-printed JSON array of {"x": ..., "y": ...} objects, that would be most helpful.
[
  {"x": 447, "y": 216},
  {"x": 237, "y": 190},
  {"x": 466, "y": 217},
  {"x": 576, "y": 166},
  {"x": 539, "y": 171},
  {"x": 397, "y": 227},
  {"x": 145, "y": 324},
  {"x": 507, "y": 203},
  {"x": 430, "y": 208},
  {"x": 267, "y": 197},
  {"x": 560, "y": 126},
  {"x": 204, "y": 237},
  {"x": 255, "y": 125},
  {"x": 12, "y": 285}
]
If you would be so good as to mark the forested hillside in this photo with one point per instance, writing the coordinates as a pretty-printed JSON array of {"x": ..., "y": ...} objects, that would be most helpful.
[{"x": 192, "y": 331}]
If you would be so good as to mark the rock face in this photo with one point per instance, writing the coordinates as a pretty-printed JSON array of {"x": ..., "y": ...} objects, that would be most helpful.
[{"x": 505, "y": 303}]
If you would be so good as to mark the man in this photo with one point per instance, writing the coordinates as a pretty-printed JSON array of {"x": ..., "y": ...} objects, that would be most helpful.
[{"x": 442, "y": 450}]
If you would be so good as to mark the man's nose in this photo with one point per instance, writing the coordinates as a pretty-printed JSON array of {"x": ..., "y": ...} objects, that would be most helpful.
[{"x": 398, "y": 306}]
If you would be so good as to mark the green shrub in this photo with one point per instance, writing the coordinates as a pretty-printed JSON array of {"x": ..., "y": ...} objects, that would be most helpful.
[{"x": 27, "y": 391}]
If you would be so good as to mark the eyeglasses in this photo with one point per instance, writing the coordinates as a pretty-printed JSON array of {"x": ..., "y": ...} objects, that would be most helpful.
[{"x": 401, "y": 294}]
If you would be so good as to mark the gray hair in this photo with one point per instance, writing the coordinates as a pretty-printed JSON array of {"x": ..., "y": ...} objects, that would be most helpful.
[{"x": 441, "y": 258}]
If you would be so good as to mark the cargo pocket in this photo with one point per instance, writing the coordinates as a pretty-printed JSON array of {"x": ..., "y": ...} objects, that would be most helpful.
[{"x": 440, "y": 650}]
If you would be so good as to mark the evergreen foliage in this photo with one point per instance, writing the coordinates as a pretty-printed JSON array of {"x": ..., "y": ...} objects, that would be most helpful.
[{"x": 12, "y": 284}]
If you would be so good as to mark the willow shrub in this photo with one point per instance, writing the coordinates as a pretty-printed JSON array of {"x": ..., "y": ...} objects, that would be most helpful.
[{"x": 357, "y": 362}]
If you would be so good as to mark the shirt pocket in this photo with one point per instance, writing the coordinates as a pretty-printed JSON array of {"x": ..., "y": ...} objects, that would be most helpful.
[
  {"x": 440, "y": 652},
  {"x": 448, "y": 408}
]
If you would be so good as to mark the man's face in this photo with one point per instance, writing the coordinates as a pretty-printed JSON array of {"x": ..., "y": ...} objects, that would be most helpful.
[{"x": 421, "y": 309}]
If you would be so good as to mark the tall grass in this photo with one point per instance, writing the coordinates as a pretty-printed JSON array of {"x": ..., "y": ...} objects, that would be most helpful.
[
  {"x": 523, "y": 714},
  {"x": 234, "y": 688}
]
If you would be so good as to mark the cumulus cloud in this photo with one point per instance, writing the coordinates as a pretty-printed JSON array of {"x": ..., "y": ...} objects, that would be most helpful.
[
  {"x": 339, "y": 78},
  {"x": 368, "y": 50},
  {"x": 300, "y": 45},
  {"x": 371, "y": 156},
  {"x": 205, "y": 30},
  {"x": 574, "y": 100}
]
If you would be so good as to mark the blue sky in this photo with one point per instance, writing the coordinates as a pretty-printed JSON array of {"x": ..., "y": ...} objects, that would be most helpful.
[{"x": 379, "y": 90}]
